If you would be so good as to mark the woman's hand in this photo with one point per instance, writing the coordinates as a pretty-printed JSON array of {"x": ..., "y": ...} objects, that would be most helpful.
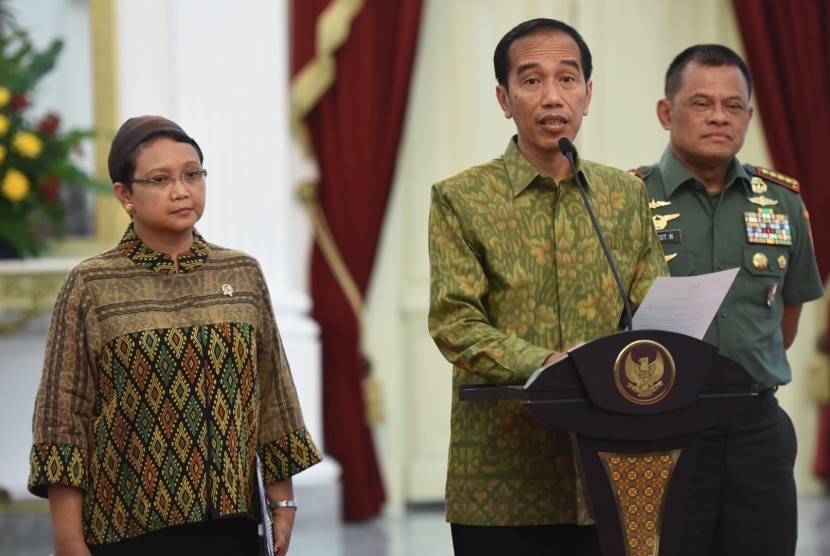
[
  {"x": 283, "y": 525},
  {"x": 283, "y": 517}
]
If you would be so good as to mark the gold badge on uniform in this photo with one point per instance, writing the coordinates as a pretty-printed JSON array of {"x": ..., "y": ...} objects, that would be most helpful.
[
  {"x": 670, "y": 257},
  {"x": 661, "y": 220},
  {"x": 657, "y": 204},
  {"x": 759, "y": 187},
  {"x": 227, "y": 289},
  {"x": 782, "y": 262},
  {"x": 763, "y": 201},
  {"x": 759, "y": 261}
]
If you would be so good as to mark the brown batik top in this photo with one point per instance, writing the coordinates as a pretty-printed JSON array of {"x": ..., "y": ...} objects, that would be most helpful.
[{"x": 159, "y": 387}]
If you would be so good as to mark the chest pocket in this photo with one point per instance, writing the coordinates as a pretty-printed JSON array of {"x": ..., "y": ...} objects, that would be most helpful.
[
  {"x": 765, "y": 266},
  {"x": 682, "y": 263}
]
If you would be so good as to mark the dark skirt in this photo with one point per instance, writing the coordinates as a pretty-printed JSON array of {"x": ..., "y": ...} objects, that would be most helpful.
[{"x": 216, "y": 537}]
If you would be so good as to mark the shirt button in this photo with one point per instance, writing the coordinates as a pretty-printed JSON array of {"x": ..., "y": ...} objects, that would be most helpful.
[{"x": 724, "y": 313}]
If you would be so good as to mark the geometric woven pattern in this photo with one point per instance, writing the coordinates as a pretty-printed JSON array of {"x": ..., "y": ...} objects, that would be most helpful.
[
  {"x": 640, "y": 483},
  {"x": 160, "y": 263},
  {"x": 176, "y": 433}
]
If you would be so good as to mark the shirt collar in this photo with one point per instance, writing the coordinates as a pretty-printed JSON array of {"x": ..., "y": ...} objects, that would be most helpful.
[
  {"x": 144, "y": 256},
  {"x": 674, "y": 174},
  {"x": 519, "y": 169}
]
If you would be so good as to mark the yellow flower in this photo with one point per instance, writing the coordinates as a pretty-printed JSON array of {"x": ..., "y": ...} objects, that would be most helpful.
[
  {"x": 15, "y": 186},
  {"x": 2, "y": 154},
  {"x": 28, "y": 144},
  {"x": 4, "y": 125},
  {"x": 5, "y": 95}
]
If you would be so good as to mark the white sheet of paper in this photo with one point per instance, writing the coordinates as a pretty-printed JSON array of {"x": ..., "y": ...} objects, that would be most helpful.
[{"x": 684, "y": 304}]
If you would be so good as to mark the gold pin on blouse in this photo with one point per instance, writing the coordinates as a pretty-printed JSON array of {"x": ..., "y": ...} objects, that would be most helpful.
[{"x": 227, "y": 289}]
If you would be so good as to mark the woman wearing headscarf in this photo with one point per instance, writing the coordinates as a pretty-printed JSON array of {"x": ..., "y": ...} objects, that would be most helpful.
[{"x": 164, "y": 377}]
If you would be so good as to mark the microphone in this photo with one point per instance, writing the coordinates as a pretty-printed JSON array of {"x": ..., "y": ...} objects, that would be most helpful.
[{"x": 567, "y": 149}]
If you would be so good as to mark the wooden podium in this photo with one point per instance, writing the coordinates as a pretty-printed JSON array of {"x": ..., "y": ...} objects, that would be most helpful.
[{"x": 634, "y": 404}]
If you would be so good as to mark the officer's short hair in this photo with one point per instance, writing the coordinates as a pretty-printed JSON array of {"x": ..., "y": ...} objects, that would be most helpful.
[
  {"x": 705, "y": 55},
  {"x": 501, "y": 57}
]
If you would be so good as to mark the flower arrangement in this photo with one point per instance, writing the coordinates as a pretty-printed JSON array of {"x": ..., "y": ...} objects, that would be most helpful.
[{"x": 35, "y": 156}]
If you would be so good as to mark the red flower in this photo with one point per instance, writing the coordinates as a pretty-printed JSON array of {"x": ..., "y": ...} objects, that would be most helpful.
[
  {"x": 49, "y": 124},
  {"x": 19, "y": 101},
  {"x": 51, "y": 188}
]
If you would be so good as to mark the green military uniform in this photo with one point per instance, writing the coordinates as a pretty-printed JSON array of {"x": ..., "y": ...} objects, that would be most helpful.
[
  {"x": 744, "y": 491},
  {"x": 759, "y": 225}
]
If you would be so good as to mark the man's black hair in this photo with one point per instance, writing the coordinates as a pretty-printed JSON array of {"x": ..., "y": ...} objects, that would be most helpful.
[
  {"x": 501, "y": 57},
  {"x": 713, "y": 55}
]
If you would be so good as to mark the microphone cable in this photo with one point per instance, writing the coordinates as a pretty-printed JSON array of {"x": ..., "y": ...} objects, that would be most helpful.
[{"x": 567, "y": 149}]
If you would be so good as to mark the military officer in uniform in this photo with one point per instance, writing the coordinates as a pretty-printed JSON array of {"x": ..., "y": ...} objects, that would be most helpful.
[{"x": 713, "y": 213}]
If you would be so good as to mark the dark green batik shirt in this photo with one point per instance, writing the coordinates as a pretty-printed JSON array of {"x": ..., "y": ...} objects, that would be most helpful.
[
  {"x": 517, "y": 273},
  {"x": 759, "y": 225}
]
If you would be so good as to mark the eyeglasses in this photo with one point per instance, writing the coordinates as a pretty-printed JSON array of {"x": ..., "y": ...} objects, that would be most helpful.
[{"x": 188, "y": 177}]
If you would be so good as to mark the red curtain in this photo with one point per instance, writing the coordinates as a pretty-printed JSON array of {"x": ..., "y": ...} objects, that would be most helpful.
[
  {"x": 355, "y": 130},
  {"x": 788, "y": 50}
]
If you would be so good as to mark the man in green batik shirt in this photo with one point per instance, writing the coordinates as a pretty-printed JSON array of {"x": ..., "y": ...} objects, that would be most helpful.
[
  {"x": 713, "y": 213},
  {"x": 517, "y": 274}
]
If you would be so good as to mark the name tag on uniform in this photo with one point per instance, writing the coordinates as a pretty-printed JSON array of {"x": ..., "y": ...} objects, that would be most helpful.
[
  {"x": 669, "y": 236},
  {"x": 767, "y": 227}
]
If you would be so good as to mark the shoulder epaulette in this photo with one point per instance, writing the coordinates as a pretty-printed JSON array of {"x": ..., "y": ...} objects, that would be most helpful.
[
  {"x": 774, "y": 177},
  {"x": 642, "y": 172}
]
